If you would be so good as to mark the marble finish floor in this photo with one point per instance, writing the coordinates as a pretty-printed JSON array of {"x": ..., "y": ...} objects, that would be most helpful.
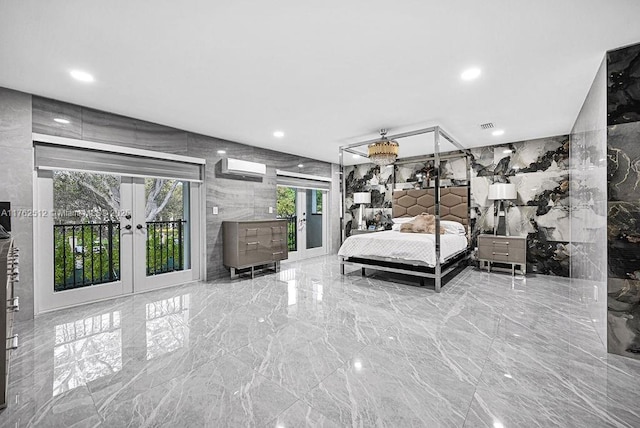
[{"x": 309, "y": 347}]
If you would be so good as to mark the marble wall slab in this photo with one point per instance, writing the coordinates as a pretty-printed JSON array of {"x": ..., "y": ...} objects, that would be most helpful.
[
  {"x": 623, "y": 196},
  {"x": 623, "y": 85},
  {"x": 16, "y": 176},
  {"x": 539, "y": 169},
  {"x": 103, "y": 127},
  {"x": 623, "y": 239}
]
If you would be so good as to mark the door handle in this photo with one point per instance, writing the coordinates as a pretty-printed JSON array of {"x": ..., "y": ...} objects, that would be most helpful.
[
  {"x": 139, "y": 226},
  {"x": 128, "y": 227}
]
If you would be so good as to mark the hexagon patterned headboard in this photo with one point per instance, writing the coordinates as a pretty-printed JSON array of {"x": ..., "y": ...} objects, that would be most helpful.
[{"x": 454, "y": 203}]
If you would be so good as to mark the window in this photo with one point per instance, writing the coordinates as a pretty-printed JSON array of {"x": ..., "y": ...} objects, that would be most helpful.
[{"x": 316, "y": 201}]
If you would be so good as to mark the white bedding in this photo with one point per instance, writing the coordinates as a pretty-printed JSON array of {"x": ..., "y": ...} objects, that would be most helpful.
[{"x": 403, "y": 246}]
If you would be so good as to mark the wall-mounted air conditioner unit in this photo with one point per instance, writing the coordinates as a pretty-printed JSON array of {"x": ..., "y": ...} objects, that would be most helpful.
[{"x": 244, "y": 168}]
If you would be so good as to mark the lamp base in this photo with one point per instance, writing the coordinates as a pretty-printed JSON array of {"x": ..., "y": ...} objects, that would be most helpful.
[
  {"x": 362, "y": 225},
  {"x": 500, "y": 218}
]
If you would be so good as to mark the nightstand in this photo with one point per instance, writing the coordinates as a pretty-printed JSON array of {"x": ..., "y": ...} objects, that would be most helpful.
[{"x": 503, "y": 250}]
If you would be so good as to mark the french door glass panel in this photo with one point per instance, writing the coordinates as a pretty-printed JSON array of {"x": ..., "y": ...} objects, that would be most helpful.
[
  {"x": 163, "y": 217},
  {"x": 167, "y": 228},
  {"x": 314, "y": 223},
  {"x": 86, "y": 229}
]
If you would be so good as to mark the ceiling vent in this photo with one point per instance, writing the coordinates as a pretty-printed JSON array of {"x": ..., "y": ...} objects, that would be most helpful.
[{"x": 487, "y": 125}]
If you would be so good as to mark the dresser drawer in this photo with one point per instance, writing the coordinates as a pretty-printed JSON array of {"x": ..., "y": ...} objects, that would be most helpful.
[
  {"x": 253, "y": 231},
  {"x": 250, "y": 257},
  {"x": 279, "y": 254}
]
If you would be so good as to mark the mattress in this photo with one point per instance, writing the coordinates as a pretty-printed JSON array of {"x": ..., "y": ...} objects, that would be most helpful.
[{"x": 403, "y": 247}]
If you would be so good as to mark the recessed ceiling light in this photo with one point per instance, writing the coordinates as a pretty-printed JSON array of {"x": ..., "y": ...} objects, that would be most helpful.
[
  {"x": 505, "y": 151},
  {"x": 300, "y": 165},
  {"x": 82, "y": 76},
  {"x": 59, "y": 120},
  {"x": 278, "y": 134},
  {"x": 497, "y": 132},
  {"x": 222, "y": 152},
  {"x": 471, "y": 73}
]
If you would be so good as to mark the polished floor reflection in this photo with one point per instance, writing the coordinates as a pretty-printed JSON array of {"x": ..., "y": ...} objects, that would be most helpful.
[{"x": 309, "y": 347}]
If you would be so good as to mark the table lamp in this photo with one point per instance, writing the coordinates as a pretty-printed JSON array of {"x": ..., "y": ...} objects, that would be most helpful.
[
  {"x": 501, "y": 192},
  {"x": 361, "y": 198}
]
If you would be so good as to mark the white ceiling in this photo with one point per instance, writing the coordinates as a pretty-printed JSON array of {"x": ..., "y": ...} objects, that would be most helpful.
[{"x": 327, "y": 73}]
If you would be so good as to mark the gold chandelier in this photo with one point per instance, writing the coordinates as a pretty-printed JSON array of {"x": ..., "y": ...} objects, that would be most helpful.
[{"x": 383, "y": 152}]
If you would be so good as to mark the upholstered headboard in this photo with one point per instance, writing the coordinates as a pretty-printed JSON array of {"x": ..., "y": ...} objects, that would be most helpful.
[{"x": 454, "y": 203}]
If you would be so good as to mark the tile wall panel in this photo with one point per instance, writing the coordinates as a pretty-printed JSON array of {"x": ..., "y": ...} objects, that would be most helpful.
[{"x": 16, "y": 176}]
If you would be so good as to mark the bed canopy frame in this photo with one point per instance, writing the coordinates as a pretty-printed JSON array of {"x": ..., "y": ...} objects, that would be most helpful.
[{"x": 437, "y": 157}]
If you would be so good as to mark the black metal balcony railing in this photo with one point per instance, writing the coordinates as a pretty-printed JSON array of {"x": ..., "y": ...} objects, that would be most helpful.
[
  {"x": 89, "y": 254},
  {"x": 292, "y": 233},
  {"x": 85, "y": 254},
  {"x": 165, "y": 246}
]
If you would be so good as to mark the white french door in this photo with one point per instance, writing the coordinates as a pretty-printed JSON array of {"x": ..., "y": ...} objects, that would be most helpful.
[
  {"x": 308, "y": 227},
  {"x": 163, "y": 247},
  {"x": 102, "y": 236}
]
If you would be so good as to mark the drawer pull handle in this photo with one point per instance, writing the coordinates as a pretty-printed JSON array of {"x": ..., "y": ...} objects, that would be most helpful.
[
  {"x": 279, "y": 252},
  {"x": 14, "y": 304},
  {"x": 14, "y": 342},
  {"x": 501, "y": 254},
  {"x": 252, "y": 243},
  {"x": 500, "y": 242}
]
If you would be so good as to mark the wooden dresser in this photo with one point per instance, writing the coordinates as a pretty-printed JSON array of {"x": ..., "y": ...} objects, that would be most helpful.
[
  {"x": 9, "y": 275},
  {"x": 511, "y": 250},
  {"x": 249, "y": 244}
]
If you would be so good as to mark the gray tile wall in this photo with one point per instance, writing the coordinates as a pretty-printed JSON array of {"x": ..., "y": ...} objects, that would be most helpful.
[
  {"x": 16, "y": 176},
  {"x": 239, "y": 199},
  {"x": 21, "y": 114},
  {"x": 588, "y": 200}
]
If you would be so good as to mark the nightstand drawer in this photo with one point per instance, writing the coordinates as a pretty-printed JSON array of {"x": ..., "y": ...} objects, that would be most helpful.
[
  {"x": 512, "y": 255},
  {"x": 502, "y": 242}
]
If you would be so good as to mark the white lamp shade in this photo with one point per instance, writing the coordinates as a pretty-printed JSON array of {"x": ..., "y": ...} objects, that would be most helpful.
[
  {"x": 362, "y": 198},
  {"x": 499, "y": 191}
]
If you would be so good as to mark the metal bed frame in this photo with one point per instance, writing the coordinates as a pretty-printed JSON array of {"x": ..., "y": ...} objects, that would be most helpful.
[{"x": 409, "y": 268}]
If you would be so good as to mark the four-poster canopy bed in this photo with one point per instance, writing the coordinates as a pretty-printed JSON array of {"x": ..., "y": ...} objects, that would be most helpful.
[{"x": 423, "y": 255}]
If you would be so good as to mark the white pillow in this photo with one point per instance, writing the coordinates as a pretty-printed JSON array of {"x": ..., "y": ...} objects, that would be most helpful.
[
  {"x": 453, "y": 227},
  {"x": 402, "y": 220},
  {"x": 396, "y": 227}
]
